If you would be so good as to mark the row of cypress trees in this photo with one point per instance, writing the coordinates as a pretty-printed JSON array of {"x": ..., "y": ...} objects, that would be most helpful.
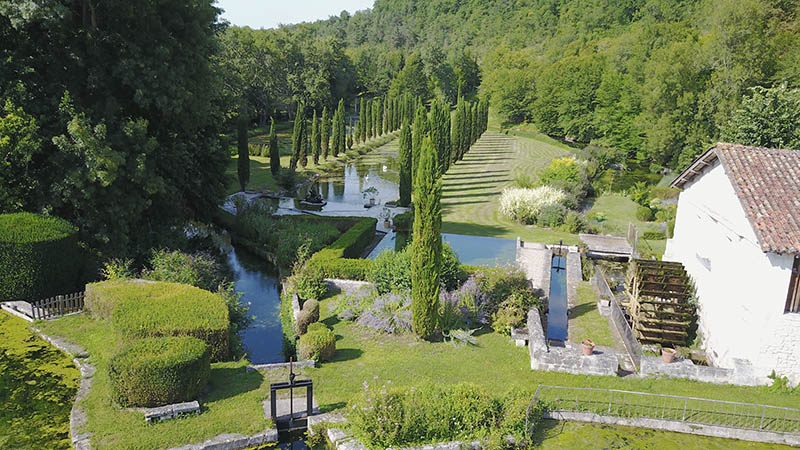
[
  {"x": 327, "y": 134},
  {"x": 433, "y": 143}
]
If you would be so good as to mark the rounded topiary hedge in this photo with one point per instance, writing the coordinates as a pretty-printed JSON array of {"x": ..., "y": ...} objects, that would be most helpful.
[
  {"x": 143, "y": 308},
  {"x": 39, "y": 257},
  {"x": 160, "y": 371},
  {"x": 318, "y": 344}
]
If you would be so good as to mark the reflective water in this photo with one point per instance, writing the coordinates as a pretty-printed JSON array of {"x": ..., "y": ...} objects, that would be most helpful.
[
  {"x": 557, "y": 301},
  {"x": 258, "y": 282},
  {"x": 471, "y": 250}
]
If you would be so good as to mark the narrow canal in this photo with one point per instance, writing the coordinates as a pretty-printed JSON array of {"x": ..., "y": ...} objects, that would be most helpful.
[
  {"x": 344, "y": 191},
  {"x": 557, "y": 300}
]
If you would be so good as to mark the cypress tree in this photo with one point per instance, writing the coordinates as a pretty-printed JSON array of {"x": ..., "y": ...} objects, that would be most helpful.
[
  {"x": 324, "y": 132},
  {"x": 440, "y": 135},
  {"x": 315, "y": 139},
  {"x": 467, "y": 127},
  {"x": 419, "y": 132},
  {"x": 455, "y": 135},
  {"x": 350, "y": 139},
  {"x": 335, "y": 133},
  {"x": 342, "y": 130},
  {"x": 362, "y": 117},
  {"x": 243, "y": 165},
  {"x": 426, "y": 256},
  {"x": 389, "y": 121},
  {"x": 274, "y": 152},
  {"x": 297, "y": 137},
  {"x": 404, "y": 154},
  {"x": 475, "y": 124},
  {"x": 379, "y": 118},
  {"x": 306, "y": 149}
]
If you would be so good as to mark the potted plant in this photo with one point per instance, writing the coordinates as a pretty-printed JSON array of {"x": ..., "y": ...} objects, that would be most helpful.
[
  {"x": 588, "y": 347},
  {"x": 386, "y": 215},
  {"x": 668, "y": 354},
  {"x": 372, "y": 193}
]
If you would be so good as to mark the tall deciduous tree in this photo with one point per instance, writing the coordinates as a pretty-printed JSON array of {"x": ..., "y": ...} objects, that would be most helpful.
[
  {"x": 243, "y": 164},
  {"x": 768, "y": 118},
  {"x": 315, "y": 139},
  {"x": 130, "y": 111},
  {"x": 427, "y": 245},
  {"x": 297, "y": 136},
  {"x": 325, "y": 132},
  {"x": 274, "y": 151},
  {"x": 405, "y": 156}
]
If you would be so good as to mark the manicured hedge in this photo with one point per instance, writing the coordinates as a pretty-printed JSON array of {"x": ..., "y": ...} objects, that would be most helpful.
[
  {"x": 341, "y": 258},
  {"x": 318, "y": 344},
  {"x": 160, "y": 371},
  {"x": 140, "y": 308},
  {"x": 39, "y": 257},
  {"x": 342, "y": 268}
]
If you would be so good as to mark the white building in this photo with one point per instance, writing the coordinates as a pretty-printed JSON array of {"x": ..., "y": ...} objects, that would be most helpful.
[{"x": 737, "y": 233}]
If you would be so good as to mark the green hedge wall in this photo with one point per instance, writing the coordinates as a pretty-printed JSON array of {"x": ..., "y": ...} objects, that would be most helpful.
[
  {"x": 341, "y": 258},
  {"x": 39, "y": 257},
  {"x": 140, "y": 308},
  {"x": 160, "y": 371}
]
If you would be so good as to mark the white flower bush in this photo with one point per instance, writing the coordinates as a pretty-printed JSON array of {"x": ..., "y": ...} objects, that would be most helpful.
[{"x": 524, "y": 204}]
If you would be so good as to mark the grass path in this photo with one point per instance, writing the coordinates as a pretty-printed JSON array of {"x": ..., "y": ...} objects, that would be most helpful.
[{"x": 471, "y": 188}]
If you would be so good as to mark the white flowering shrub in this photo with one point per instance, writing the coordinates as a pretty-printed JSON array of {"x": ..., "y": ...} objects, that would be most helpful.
[{"x": 525, "y": 204}]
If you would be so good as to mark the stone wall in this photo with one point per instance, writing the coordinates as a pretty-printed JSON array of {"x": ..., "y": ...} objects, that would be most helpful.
[
  {"x": 743, "y": 372},
  {"x": 570, "y": 358}
]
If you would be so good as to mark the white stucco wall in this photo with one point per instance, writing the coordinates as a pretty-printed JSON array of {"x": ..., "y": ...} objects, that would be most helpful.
[{"x": 741, "y": 290}]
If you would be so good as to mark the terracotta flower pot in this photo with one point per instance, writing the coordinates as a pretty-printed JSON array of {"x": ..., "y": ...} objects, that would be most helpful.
[
  {"x": 668, "y": 354},
  {"x": 588, "y": 347},
  {"x": 387, "y": 224}
]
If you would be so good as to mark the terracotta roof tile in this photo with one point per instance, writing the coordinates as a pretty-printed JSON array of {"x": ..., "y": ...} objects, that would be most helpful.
[{"x": 767, "y": 182}]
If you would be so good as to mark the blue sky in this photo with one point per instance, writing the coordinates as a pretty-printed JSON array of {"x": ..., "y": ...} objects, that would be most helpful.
[{"x": 271, "y": 13}]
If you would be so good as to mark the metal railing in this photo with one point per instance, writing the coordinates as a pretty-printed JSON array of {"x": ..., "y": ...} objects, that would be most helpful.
[{"x": 692, "y": 410}]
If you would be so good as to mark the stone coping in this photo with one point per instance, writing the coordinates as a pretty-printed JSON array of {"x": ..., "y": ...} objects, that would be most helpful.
[
  {"x": 234, "y": 441},
  {"x": 743, "y": 373},
  {"x": 172, "y": 411},
  {"x": 307, "y": 363}
]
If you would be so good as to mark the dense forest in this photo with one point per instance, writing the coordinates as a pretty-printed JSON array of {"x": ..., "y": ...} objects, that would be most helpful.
[{"x": 653, "y": 80}]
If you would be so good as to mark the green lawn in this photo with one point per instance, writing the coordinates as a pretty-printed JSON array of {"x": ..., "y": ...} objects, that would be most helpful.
[
  {"x": 471, "y": 188},
  {"x": 586, "y": 322},
  {"x": 619, "y": 211},
  {"x": 584, "y": 436},
  {"x": 232, "y": 405},
  {"x": 37, "y": 386},
  {"x": 495, "y": 363}
]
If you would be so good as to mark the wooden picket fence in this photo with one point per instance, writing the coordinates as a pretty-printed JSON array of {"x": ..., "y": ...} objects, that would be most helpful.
[{"x": 57, "y": 306}]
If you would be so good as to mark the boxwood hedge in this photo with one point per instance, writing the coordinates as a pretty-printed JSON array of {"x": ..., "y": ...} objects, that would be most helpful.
[
  {"x": 39, "y": 256},
  {"x": 341, "y": 258},
  {"x": 140, "y": 308},
  {"x": 160, "y": 371}
]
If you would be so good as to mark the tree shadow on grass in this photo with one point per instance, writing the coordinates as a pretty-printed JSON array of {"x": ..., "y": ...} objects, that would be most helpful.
[
  {"x": 227, "y": 382},
  {"x": 546, "y": 429},
  {"x": 347, "y": 354},
  {"x": 330, "y": 321},
  {"x": 581, "y": 309},
  {"x": 472, "y": 229}
]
